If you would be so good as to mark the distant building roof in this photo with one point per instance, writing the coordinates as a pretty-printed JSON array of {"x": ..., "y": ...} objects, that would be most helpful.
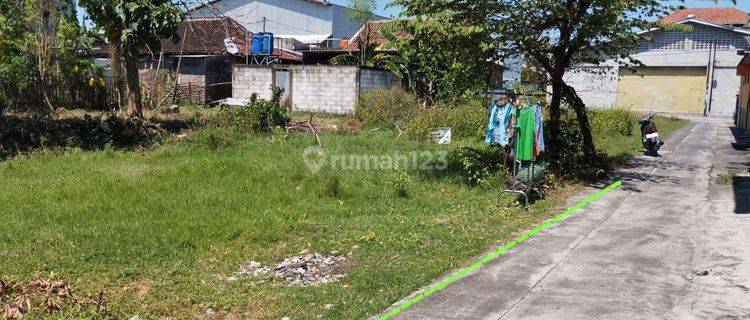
[
  {"x": 318, "y": 2},
  {"x": 373, "y": 30},
  {"x": 205, "y": 36},
  {"x": 725, "y": 16}
]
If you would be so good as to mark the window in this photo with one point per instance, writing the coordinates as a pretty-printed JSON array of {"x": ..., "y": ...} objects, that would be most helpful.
[
  {"x": 669, "y": 40},
  {"x": 703, "y": 38}
]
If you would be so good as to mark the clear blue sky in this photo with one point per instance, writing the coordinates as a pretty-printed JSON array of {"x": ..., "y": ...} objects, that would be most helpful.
[{"x": 741, "y": 4}]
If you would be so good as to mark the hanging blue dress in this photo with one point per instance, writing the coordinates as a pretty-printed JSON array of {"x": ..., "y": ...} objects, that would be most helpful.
[
  {"x": 539, "y": 129},
  {"x": 497, "y": 128}
]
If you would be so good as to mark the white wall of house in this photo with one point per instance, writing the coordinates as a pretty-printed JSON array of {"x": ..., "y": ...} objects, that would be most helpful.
[
  {"x": 286, "y": 17},
  {"x": 671, "y": 49},
  {"x": 314, "y": 88}
]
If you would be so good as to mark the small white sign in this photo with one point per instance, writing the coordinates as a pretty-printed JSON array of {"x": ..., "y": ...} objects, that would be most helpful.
[
  {"x": 442, "y": 135},
  {"x": 231, "y": 47}
]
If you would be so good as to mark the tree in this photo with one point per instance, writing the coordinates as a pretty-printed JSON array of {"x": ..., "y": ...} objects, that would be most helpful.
[
  {"x": 441, "y": 54},
  {"x": 555, "y": 35},
  {"x": 132, "y": 27},
  {"x": 16, "y": 62},
  {"x": 360, "y": 11}
]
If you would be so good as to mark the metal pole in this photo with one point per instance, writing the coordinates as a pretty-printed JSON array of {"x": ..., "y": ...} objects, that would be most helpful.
[{"x": 264, "y": 24}]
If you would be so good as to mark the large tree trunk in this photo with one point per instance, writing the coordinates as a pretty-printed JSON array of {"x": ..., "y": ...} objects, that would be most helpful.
[
  {"x": 115, "y": 58},
  {"x": 583, "y": 120},
  {"x": 44, "y": 53},
  {"x": 554, "y": 136},
  {"x": 135, "y": 104}
]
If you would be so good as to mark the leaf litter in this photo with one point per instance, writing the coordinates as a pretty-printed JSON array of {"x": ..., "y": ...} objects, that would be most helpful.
[{"x": 46, "y": 296}]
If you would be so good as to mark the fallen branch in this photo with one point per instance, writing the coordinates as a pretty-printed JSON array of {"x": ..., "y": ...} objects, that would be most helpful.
[{"x": 317, "y": 138}]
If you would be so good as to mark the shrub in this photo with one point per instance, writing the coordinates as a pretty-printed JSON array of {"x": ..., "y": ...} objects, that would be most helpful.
[
  {"x": 386, "y": 107},
  {"x": 612, "y": 121},
  {"x": 332, "y": 187},
  {"x": 466, "y": 121},
  {"x": 258, "y": 115},
  {"x": 476, "y": 166},
  {"x": 22, "y": 134},
  {"x": 399, "y": 181}
]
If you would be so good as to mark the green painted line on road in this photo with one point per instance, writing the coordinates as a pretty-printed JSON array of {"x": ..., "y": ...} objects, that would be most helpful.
[{"x": 502, "y": 250}]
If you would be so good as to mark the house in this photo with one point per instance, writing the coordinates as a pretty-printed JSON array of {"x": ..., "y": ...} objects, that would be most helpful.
[
  {"x": 203, "y": 57},
  {"x": 743, "y": 104},
  {"x": 308, "y": 22},
  {"x": 689, "y": 67},
  {"x": 371, "y": 33}
]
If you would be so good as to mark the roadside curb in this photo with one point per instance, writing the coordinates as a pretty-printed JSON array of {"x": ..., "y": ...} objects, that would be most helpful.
[{"x": 461, "y": 273}]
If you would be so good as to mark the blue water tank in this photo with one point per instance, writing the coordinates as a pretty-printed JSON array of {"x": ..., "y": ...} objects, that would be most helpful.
[{"x": 263, "y": 43}]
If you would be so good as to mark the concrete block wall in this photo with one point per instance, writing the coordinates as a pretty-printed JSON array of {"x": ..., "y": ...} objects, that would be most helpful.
[
  {"x": 329, "y": 89},
  {"x": 247, "y": 80},
  {"x": 315, "y": 88},
  {"x": 371, "y": 79}
]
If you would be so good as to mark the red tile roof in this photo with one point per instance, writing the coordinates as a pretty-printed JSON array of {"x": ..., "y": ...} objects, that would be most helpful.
[
  {"x": 726, "y": 16},
  {"x": 373, "y": 30},
  {"x": 205, "y": 36}
]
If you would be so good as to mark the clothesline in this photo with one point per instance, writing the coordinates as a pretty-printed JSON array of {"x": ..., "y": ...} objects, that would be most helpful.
[{"x": 524, "y": 124}]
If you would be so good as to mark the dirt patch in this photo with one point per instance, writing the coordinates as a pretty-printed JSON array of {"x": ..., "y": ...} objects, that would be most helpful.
[
  {"x": 306, "y": 269},
  {"x": 44, "y": 297}
]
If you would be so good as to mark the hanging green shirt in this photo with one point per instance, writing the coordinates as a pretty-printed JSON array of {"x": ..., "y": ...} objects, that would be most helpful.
[{"x": 526, "y": 125}]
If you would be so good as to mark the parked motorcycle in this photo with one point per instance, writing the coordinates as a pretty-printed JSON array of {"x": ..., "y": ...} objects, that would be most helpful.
[{"x": 650, "y": 135}]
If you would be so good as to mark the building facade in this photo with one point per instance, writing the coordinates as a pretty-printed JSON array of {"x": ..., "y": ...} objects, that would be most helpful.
[
  {"x": 301, "y": 19},
  {"x": 691, "y": 69}
]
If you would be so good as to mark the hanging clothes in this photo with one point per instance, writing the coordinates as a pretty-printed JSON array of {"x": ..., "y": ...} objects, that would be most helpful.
[
  {"x": 526, "y": 126},
  {"x": 539, "y": 137},
  {"x": 498, "y": 128}
]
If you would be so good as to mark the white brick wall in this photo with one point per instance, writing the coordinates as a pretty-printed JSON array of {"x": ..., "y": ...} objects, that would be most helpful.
[
  {"x": 247, "y": 80},
  {"x": 329, "y": 89}
]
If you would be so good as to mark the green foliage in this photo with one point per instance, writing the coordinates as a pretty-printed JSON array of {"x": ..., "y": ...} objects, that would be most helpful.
[
  {"x": 360, "y": 11},
  {"x": 477, "y": 166},
  {"x": 258, "y": 115},
  {"x": 33, "y": 52},
  {"x": 388, "y": 107},
  {"x": 137, "y": 24},
  {"x": 554, "y": 35},
  {"x": 400, "y": 180},
  {"x": 22, "y": 135},
  {"x": 444, "y": 55},
  {"x": 466, "y": 119},
  {"x": 612, "y": 121}
]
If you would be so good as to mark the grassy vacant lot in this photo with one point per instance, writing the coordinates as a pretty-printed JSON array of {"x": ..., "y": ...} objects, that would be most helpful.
[{"x": 160, "y": 231}]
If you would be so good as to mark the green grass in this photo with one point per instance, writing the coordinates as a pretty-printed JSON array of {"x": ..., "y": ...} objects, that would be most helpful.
[{"x": 160, "y": 231}]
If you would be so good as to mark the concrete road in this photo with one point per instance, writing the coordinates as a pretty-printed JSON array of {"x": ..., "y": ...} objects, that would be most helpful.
[{"x": 673, "y": 243}]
